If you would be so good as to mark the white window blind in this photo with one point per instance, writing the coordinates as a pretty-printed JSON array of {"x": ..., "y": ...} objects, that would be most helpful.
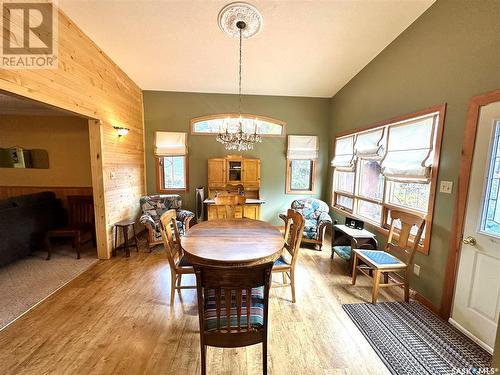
[
  {"x": 170, "y": 144},
  {"x": 369, "y": 145},
  {"x": 410, "y": 150},
  {"x": 344, "y": 153},
  {"x": 302, "y": 147}
]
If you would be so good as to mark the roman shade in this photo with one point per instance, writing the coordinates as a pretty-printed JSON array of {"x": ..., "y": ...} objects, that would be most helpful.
[
  {"x": 410, "y": 150},
  {"x": 369, "y": 145},
  {"x": 170, "y": 144},
  {"x": 303, "y": 147},
  {"x": 344, "y": 153}
]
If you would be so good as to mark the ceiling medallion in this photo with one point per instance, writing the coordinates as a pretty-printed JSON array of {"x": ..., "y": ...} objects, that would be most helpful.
[
  {"x": 233, "y": 13},
  {"x": 243, "y": 21}
]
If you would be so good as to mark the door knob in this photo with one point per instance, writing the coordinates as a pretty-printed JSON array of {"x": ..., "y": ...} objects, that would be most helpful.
[{"x": 469, "y": 240}]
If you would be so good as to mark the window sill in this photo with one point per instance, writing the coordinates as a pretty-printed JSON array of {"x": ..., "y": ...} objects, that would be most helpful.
[
  {"x": 300, "y": 192},
  {"x": 173, "y": 191}
]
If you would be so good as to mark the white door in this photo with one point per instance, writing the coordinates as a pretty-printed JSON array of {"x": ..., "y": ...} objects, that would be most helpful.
[{"x": 477, "y": 291}]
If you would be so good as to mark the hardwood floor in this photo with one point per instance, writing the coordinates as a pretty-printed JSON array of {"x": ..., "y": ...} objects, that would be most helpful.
[{"x": 115, "y": 319}]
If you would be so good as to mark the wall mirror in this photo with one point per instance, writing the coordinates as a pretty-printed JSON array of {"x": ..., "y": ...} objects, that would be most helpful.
[{"x": 17, "y": 157}]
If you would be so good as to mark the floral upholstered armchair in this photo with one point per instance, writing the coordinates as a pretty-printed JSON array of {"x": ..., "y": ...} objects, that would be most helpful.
[
  {"x": 153, "y": 206},
  {"x": 316, "y": 219}
]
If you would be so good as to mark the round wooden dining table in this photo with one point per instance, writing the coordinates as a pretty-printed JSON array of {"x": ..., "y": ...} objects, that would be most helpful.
[{"x": 232, "y": 243}]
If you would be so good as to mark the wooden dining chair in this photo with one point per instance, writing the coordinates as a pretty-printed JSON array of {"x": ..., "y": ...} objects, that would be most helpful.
[
  {"x": 233, "y": 305},
  {"x": 81, "y": 224},
  {"x": 178, "y": 263},
  {"x": 229, "y": 203},
  {"x": 379, "y": 263},
  {"x": 288, "y": 259}
]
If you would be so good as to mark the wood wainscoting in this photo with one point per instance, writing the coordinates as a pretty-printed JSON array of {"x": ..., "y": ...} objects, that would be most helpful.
[{"x": 61, "y": 192}]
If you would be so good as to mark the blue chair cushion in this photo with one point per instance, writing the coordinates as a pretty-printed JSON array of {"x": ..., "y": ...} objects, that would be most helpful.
[
  {"x": 256, "y": 309},
  {"x": 280, "y": 262},
  {"x": 345, "y": 252},
  {"x": 184, "y": 262},
  {"x": 380, "y": 257}
]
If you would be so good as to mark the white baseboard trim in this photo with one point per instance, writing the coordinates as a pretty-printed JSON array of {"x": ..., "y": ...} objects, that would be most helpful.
[{"x": 485, "y": 346}]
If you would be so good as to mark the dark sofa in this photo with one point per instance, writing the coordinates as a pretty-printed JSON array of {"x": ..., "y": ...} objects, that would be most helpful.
[{"x": 24, "y": 221}]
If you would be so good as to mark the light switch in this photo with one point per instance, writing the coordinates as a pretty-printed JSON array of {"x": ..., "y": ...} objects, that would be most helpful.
[
  {"x": 416, "y": 269},
  {"x": 446, "y": 187},
  {"x": 112, "y": 175}
]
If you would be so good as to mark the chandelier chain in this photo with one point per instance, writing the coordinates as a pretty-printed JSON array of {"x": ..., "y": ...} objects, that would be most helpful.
[
  {"x": 239, "y": 75},
  {"x": 238, "y": 133}
]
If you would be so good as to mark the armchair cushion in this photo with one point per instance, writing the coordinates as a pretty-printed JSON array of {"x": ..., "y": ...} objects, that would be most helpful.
[
  {"x": 324, "y": 218},
  {"x": 315, "y": 213},
  {"x": 153, "y": 206},
  {"x": 182, "y": 215}
]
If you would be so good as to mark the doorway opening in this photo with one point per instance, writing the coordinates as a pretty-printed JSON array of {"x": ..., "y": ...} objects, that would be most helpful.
[{"x": 45, "y": 189}]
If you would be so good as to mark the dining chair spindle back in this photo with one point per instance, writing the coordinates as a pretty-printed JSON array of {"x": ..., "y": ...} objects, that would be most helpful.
[
  {"x": 286, "y": 263},
  {"x": 179, "y": 265},
  {"x": 230, "y": 204},
  {"x": 233, "y": 307},
  {"x": 383, "y": 263}
]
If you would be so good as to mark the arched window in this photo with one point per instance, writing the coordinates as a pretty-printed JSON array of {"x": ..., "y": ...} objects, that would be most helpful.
[{"x": 212, "y": 124}]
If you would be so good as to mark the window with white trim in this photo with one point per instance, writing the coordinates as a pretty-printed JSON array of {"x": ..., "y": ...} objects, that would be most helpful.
[
  {"x": 302, "y": 154},
  {"x": 171, "y": 162},
  {"x": 388, "y": 167}
]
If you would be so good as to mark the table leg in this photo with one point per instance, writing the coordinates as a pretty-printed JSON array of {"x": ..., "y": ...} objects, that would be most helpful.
[
  {"x": 125, "y": 241},
  {"x": 116, "y": 240},
  {"x": 135, "y": 238}
]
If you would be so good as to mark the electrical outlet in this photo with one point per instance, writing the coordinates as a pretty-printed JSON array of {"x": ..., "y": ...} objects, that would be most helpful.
[
  {"x": 416, "y": 269},
  {"x": 446, "y": 187}
]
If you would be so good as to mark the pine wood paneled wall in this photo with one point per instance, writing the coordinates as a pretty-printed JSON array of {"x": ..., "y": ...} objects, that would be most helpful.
[{"x": 89, "y": 84}]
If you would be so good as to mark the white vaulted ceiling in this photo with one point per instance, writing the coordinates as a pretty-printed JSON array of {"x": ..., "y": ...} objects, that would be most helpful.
[{"x": 305, "y": 48}]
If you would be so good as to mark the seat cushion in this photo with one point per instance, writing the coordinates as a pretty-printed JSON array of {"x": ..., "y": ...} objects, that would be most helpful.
[
  {"x": 184, "y": 262},
  {"x": 310, "y": 225},
  {"x": 345, "y": 252},
  {"x": 310, "y": 234},
  {"x": 380, "y": 258},
  {"x": 256, "y": 310},
  {"x": 280, "y": 262}
]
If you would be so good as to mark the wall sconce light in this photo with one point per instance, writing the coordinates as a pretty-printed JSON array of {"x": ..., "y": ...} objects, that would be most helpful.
[{"x": 121, "y": 131}]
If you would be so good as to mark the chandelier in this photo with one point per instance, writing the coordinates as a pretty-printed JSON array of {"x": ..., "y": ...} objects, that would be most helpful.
[{"x": 239, "y": 20}]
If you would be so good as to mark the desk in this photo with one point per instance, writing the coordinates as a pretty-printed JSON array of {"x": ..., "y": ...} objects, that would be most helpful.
[
  {"x": 232, "y": 243},
  {"x": 344, "y": 239}
]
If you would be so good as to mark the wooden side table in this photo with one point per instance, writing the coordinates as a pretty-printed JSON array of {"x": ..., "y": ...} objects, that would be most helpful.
[
  {"x": 125, "y": 225},
  {"x": 344, "y": 239}
]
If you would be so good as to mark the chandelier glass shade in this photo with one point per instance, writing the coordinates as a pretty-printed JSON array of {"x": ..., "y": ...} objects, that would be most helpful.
[
  {"x": 233, "y": 137},
  {"x": 239, "y": 20}
]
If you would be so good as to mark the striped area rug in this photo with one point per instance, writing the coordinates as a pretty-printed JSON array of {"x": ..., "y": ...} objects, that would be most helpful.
[{"x": 411, "y": 340}]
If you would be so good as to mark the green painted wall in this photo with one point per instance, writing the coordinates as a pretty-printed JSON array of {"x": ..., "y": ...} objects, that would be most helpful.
[
  {"x": 449, "y": 54},
  {"x": 172, "y": 111}
]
